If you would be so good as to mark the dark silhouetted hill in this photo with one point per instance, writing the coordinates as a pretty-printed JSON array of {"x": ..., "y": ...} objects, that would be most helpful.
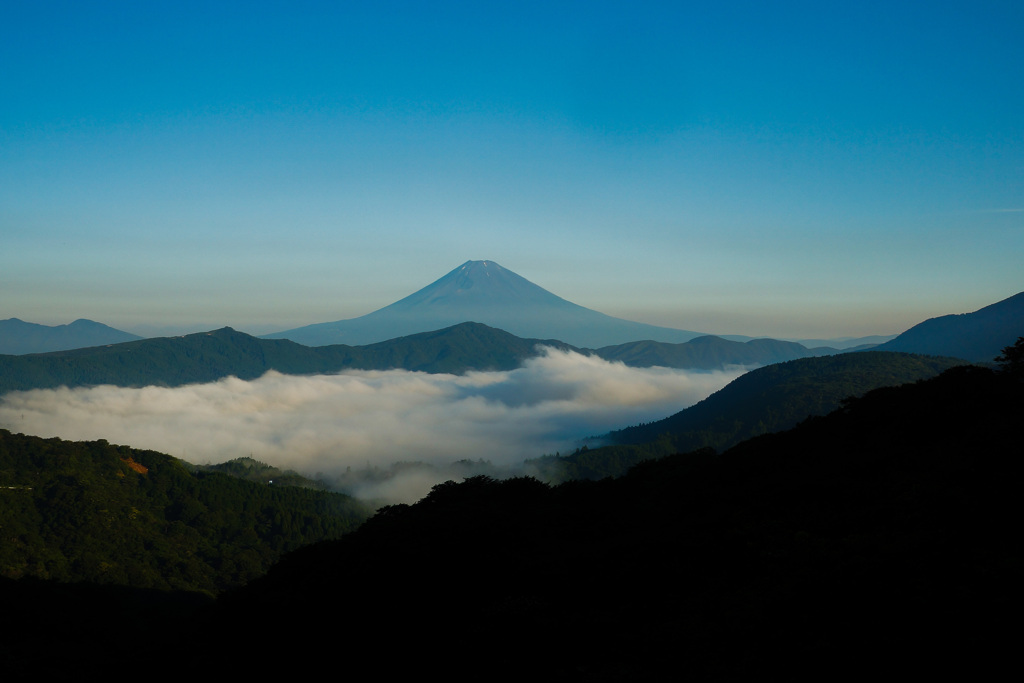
[{"x": 880, "y": 537}]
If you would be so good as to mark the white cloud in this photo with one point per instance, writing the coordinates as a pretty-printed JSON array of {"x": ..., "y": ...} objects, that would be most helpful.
[{"x": 326, "y": 423}]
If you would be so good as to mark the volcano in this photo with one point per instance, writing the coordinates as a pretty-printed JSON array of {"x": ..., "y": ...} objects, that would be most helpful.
[{"x": 484, "y": 292}]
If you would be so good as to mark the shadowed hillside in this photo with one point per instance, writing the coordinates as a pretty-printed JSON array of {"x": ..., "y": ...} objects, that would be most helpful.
[
  {"x": 877, "y": 537},
  {"x": 874, "y": 537},
  {"x": 765, "y": 400}
]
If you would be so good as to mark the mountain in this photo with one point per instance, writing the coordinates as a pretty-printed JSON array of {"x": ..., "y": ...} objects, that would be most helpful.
[
  {"x": 762, "y": 401},
  {"x": 708, "y": 353},
  {"x": 93, "y": 511},
  {"x": 210, "y": 356},
  {"x": 18, "y": 336},
  {"x": 978, "y": 337},
  {"x": 847, "y": 343},
  {"x": 484, "y": 292},
  {"x": 778, "y": 396},
  {"x": 880, "y": 536}
]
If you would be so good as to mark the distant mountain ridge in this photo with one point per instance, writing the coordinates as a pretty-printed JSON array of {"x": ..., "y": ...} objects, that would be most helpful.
[
  {"x": 978, "y": 337},
  {"x": 210, "y": 356},
  {"x": 709, "y": 353},
  {"x": 20, "y": 337},
  {"x": 484, "y": 292}
]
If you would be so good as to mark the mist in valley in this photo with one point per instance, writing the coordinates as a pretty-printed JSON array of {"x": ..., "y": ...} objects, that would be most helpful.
[{"x": 361, "y": 431}]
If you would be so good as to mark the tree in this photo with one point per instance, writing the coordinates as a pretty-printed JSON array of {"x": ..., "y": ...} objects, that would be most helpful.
[{"x": 1012, "y": 359}]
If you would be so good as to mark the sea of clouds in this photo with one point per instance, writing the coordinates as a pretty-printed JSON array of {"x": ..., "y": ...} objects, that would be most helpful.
[{"x": 327, "y": 423}]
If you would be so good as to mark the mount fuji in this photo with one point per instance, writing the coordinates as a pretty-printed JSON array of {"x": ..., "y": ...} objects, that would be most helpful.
[{"x": 484, "y": 292}]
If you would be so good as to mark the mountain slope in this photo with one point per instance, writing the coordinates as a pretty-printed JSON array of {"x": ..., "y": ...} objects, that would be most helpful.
[
  {"x": 879, "y": 536},
  {"x": 18, "y": 336},
  {"x": 93, "y": 511},
  {"x": 708, "y": 353},
  {"x": 484, "y": 292},
  {"x": 778, "y": 396},
  {"x": 765, "y": 400},
  {"x": 977, "y": 337}
]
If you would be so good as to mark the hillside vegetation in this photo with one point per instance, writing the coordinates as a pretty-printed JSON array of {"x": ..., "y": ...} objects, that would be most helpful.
[
  {"x": 709, "y": 353},
  {"x": 879, "y": 536},
  {"x": 106, "y": 514},
  {"x": 762, "y": 401}
]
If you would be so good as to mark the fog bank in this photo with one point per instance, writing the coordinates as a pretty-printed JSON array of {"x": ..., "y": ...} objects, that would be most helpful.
[{"x": 327, "y": 423}]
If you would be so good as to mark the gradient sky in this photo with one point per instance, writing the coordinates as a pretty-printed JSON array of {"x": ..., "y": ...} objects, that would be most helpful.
[{"x": 787, "y": 169}]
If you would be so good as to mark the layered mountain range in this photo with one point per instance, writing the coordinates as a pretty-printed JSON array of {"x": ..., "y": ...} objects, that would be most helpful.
[
  {"x": 485, "y": 293},
  {"x": 209, "y": 356}
]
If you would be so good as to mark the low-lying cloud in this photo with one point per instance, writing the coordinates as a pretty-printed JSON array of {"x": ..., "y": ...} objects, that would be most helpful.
[{"x": 327, "y": 423}]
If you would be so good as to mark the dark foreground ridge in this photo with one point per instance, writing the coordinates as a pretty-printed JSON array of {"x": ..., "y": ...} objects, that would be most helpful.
[{"x": 882, "y": 535}]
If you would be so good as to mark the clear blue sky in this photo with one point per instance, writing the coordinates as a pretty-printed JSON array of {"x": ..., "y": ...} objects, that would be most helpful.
[{"x": 786, "y": 169}]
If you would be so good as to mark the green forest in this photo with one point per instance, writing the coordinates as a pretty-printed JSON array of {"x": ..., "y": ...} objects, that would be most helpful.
[{"x": 97, "y": 512}]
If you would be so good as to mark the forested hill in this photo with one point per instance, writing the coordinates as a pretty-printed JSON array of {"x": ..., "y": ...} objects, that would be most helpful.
[
  {"x": 709, "y": 353},
  {"x": 765, "y": 400},
  {"x": 92, "y": 511},
  {"x": 878, "y": 537},
  {"x": 209, "y": 356},
  {"x": 778, "y": 396}
]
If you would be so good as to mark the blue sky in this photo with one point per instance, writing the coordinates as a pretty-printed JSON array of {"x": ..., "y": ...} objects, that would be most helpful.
[{"x": 784, "y": 169}]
